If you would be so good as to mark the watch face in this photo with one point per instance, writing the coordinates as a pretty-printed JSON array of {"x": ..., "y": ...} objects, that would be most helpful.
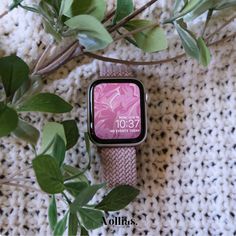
[{"x": 117, "y": 111}]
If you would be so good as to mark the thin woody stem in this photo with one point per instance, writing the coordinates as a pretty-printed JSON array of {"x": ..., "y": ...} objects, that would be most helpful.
[
  {"x": 109, "y": 59},
  {"x": 136, "y": 31},
  {"x": 220, "y": 28},
  {"x": 131, "y": 16},
  {"x": 109, "y": 16},
  {"x": 3, "y": 14},
  {"x": 61, "y": 59},
  {"x": 42, "y": 58}
]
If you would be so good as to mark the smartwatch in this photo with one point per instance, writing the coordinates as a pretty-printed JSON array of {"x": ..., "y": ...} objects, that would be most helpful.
[{"x": 117, "y": 122}]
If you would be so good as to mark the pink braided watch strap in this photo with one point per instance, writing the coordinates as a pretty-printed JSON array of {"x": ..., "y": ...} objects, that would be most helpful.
[{"x": 119, "y": 163}]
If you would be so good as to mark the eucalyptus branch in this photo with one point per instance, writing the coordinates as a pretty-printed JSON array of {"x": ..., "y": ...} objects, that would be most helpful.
[
  {"x": 109, "y": 16},
  {"x": 136, "y": 31},
  {"x": 114, "y": 60},
  {"x": 209, "y": 15},
  {"x": 3, "y": 14},
  {"x": 42, "y": 58},
  {"x": 131, "y": 16},
  {"x": 23, "y": 186},
  {"x": 220, "y": 28},
  {"x": 60, "y": 60}
]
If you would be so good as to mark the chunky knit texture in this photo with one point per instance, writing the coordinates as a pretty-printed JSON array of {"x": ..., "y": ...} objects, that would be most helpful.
[{"x": 186, "y": 167}]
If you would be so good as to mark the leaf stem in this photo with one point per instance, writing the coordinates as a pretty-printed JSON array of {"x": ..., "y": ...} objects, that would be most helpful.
[
  {"x": 67, "y": 199},
  {"x": 3, "y": 14},
  {"x": 136, "y": 31},
  {"x": 61, "y": 59},
  {"x": 209, "y": 15},
  {"x": 131, "y": 16},
  {"x": 114, "y": 60},
  {"x": 220, "y": 28},
  {"x": 42, "y": 58},
  {"x": 109, "y": 16}
]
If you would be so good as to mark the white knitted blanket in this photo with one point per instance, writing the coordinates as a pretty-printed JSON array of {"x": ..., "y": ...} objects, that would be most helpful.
[{"x": 186, "y": 167}]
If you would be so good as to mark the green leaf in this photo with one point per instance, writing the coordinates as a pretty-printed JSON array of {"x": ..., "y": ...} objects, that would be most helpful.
[
  {"x": 207, "y": 5},
  {"x": 73, "y": 224},
  {"x": 118, "y": 198},
  {"x": 91, "y": 33},
  {"x": 179, "y": 4},
  {"x": 149, "y": 40},
  {"x": 58, "y": 150},
  {"x": 189, "y": 6},
  {"x": 200, "y": 9},
  {"x": 13, "y": 73},
  {"x": 52, "y": 213},
  {"x": 85, "y": 196},
  {"x": 205, "y": 55},
  {"x": 49, "y": 28},
  {"x": 65, "y": 6},
  {"x": 71, "y": 132},
  {"x": 188, "y": 40},
  {"x": 26, "y": 132},
  {"x": 46, "y": 102},
  {"x": 91, "y": 218},
  {"x": 87, "y": 143},
  {"x": 56, "y": 4},
  {"x": 96, "y": 8},
  {"x": 15, "y": 4},
  {"x": 222, "y": 4},
  {"x": 75, "y": 174},
  {"x": 61, "y": 226},
  {"x": 123, "y": 9},
  {"x": 83, "y": 231},
  {"x": 27, "y": 89},
  {"x": 8, "y": 120},
  {"x": 48, "y": 174},
  {"x": 50, "y": 130},
  {"x": 74, "y": 188}
]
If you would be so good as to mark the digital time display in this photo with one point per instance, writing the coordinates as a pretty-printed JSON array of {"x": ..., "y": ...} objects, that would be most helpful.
[{"x": 117, "y": 110}]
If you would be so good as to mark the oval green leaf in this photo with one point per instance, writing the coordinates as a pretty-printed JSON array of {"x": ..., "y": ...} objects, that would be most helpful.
[
  {"x": 91, "y": 33},
  {"x": 45, "y": 102},
  {"x": 73, "y": 224},
  {"x": 48, "y": 174},
  {"x": 91, "y": 218},
  {"x": 52, "y": 213},
  {"x": 96, "y": 8},
  {"x": 71, "y": 132},
  {"x": 85, "y": 196},
  {"x": 118, "y": 198},
  {"x": 74, "y": 188},
  {"x": 8, "y": 120},
  {"x": 188, "y": 40},
  {"x": 123, "y": 9},
  {"x": 61, "y": 226},
  {"x": 13, "y": 73},
  {"x": 149, "y": 40},
  {"x": 26, "y": 132},
  {"x": 205, "y": 54}
]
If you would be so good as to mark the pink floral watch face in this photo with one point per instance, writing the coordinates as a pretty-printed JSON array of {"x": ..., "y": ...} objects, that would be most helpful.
[{"x": 117, "y": 110}]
